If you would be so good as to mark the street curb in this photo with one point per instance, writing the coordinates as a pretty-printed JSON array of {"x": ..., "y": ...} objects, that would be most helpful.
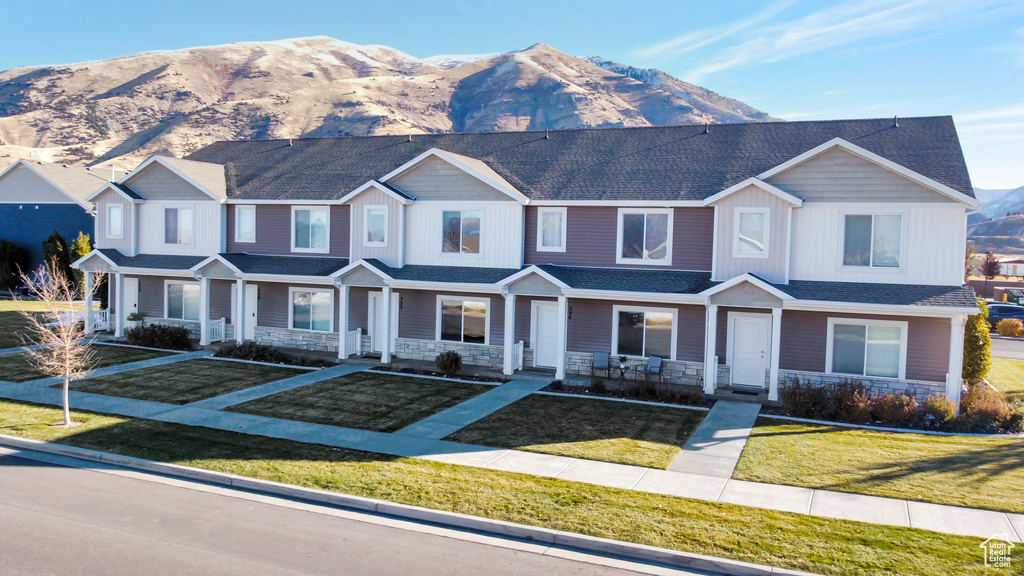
[{"x": 579, "y": 542}]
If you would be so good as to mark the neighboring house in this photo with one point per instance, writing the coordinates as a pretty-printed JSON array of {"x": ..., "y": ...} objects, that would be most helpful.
[
  {"x": 742, "y": 254},
  {"x": 1011, "y": 267},
  {"x": 37, "y": 198}
]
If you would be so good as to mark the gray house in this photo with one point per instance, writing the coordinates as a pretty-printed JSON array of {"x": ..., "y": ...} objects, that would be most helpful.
[{"x": 741, "y": 255}]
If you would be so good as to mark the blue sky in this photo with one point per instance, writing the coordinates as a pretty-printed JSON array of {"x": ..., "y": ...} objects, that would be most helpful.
[{"x": 797, "y": 60}]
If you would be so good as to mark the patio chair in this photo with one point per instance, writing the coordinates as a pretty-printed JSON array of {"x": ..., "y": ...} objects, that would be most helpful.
[
  {"x": 600, "y": 363},
  {"x": 653, "y": 368}
]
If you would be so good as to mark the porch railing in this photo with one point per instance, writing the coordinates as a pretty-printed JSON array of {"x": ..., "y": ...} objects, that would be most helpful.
[
  {"x": 100, "y": 319},
  {"x": 517, "y": 355},
  {"x": 354, "y": 342},
  {"x": 216, "y": 328}
]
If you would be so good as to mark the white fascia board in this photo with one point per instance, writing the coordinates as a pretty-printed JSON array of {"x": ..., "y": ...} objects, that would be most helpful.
[
  {"x": 444, "y": 286},
  {"x": 111, "y": 186},
  {"x": 533, "y": 270},
  {"x": 359, "y": 264},
  {"x": 885, "y": 309},
  {"x": 156, "y": 272},
  {"x": 377, "y": 185},
  {"x": 92, "y": 254},
  {"x": 159, "y": 160},
  {"x": 774, "y": 190},
  {"x": 656, "y": 297},
  {"x": 297, "y": 202},
  {"x": 438, "y": 153},
  {"x": 287, "y": 279},
  {"x": 876, "y": 159},
  {"x": 27, "y": 164},
  {"x": 623, "y": 203},
  {"x": 752, "y": 280},
  {"x": 215, "y": 258}
]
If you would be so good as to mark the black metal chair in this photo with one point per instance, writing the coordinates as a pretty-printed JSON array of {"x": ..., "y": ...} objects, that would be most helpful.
[
  {"x": 653, "y": 368},
  {"x": 600, "y": 363}
]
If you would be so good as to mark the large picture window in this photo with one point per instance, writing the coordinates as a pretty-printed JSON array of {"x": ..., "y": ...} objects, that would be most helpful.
[
  {"x": 460, "y": 231},
  {"x": 311, "y": 310},
  {"x": 644, "y": 236},
  {"x": 644, "y": 332},
  {"x": 551, "y": 229},
  {"x": 875, "y": 348},
  {"x": 245, "y": 223},
  {"x": 376, "y": 226},
  {"x": 115, "y": 221},
  {"x": 872, "y": 240},
  {"x": 178, "y": 225},
  {"x": 310, "y": 229},
  {"x": 751, "y": 233},
  {"x": 182, "y": 300},
  {"x": 462, "y": 320}
]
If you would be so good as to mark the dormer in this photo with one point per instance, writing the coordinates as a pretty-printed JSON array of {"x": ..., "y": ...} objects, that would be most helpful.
[{"x": 116, "y": 218}]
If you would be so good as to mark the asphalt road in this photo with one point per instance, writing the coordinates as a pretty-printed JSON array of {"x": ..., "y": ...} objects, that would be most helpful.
[
  {"x": 1003, "y": 347},
  {"x": 68, "y": 521}
]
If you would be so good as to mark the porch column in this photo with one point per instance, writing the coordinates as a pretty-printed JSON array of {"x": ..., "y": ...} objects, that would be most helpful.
[
  {"x": 773, "y": 373},
  {"x": 241, "y": 311},
  {"x": 119, "y": 304},
  {"x": 87, "y": 293},
  {"x": 954, "y": 378},
  {"x": 343, "y": 322},
  {"x": 563, "y": 331},
  {"x": 710, "y": 338},
  {"x": 385, "y": 355},
  {"x": 204, "y": 311},
  {"x": 510, "y": 334}
]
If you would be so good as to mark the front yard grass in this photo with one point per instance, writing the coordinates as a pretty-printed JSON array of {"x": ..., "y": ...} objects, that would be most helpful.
[
  {"x": 19, "y": 367},
  {"x": 781, "y": 539},
  {"x": 13, "y": 324},
  {"x": 622, "y": 432},
  {"x": 365, "y": 400},
  {"x": 1008, "y": 376},
  {"x": 184, "y": 382},
  {"x": 957, "y": 470}
]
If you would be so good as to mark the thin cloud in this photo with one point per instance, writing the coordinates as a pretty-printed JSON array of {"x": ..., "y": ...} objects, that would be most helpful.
[{"x": 1012, "y": 111}]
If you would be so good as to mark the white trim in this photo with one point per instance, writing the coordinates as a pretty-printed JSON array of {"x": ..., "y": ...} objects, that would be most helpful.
[
  {"x": 197, "y": 269},
  {"x": 887, "y": 309},
  {"x": 533, "y": 269},
  {"x": 285, "y": 278},
  {"x": 327, "y": 236},
  {"x": 747, "y": 277},
  {"x": 656, "y": 297},
  {"x": 451, "y": 158},
  {"x": 401, "y": 237},
  {"x": 616, "y": 308},
  {"x": 876, "y": 159},
  {"x": 464, "y": 299},
  {"x": 540, "y": 230},
  {"x": 902, "y": 325},
  {"x": 167, "y": 285},
  {"x": 667, "y": 261},
  {"x": 291, "y": 308},
  {"x": 111, "y": 186},
  {"x": 904, "y": 242},
  {"x": 111, "y": 219},
  {"x": 178, "y": 208},
  {"x": 366, "y": 224},
  {"x": 765, "y": 241},
  {"x": 623, "y": 203},
  {"x": 730, "y": 334},
  {"x": 534, "y": 305},
  {"x": 436, "y": 286},
  {"x": 359, "y": 264},
  {"x": 774, "y": 190},
  {"x": 159, "y": 160},
  {"x": 239, "y": 207},
  {"x": 714, "y": 246},
  {"x": 789, "y": 242},
  {"x": 94, "y": 253},
  {"x": 371, "y": 317},
  {"x": 371, "y": 184}
]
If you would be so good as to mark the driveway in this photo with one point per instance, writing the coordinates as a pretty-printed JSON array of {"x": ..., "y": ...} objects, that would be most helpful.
[{"x": 1003, "y": 347}]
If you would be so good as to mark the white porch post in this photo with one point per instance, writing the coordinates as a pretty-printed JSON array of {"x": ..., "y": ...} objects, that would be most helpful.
[
  {"x": 343, "y": 322},
  {"x": 204, "y": 311},
  {"x": 773, "y": 373},
  {"x": 385, "y": 355},
  {"x": 563, "y": 331},
  {"x": 510, "y": 334},
  {"x": 119, "y": 304},
  {"x": 87, "y": 292},
  {"x": 954, "y": 378},
  {"x": 710, "y": 339},
  {"x": 241, "y": 311}
]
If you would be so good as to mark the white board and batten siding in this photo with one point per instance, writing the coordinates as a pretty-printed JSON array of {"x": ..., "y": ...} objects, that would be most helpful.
[
  {"x": 501, "y": 235},
  {"x": 389, "y": 254},
  {"x": 207, "y": 228},
  {"x": 772, "y": 268}
]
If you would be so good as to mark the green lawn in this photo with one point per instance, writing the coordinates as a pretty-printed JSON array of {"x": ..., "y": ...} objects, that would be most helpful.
[
  {"x": 781, "y": 539},
  {"x": 1008, "y": 376},
  {"x": 956, "y": 470},
  {"x": 365, "y": 400},
  {"x": 595, "y": 429},
  {"x": 186, "y": 381},
  {"x": 19, "y": 367},
  {"x": 13, "y": 324}
]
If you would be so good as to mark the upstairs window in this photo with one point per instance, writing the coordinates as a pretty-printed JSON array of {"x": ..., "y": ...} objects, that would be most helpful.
[
  {"x": 751, "y": 233},
  {"x": 551, "y": 229},
  {"x": 178, "y": 225},
  {"x": 245, "y": 223},
  {"x": 115, "y": 221},
  {"x": 182, "y": 301},
  {"x": 644, "y": 236},
  {"x": 872, "y": 241},
  {"x": 310, "y": 229},
  {"x": 375, "y": 224},
  {"x": 460, "y": 230}
]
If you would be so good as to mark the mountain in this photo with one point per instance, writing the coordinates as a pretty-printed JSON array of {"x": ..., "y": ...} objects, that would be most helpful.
[
  {"x": 999, "y": 203},
  {"x": 123, "y": 109},
  {"x": 1003, "y": 235}
]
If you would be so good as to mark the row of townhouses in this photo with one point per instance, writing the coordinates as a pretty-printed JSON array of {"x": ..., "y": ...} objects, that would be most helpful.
[{"x": 742, "y": 255}]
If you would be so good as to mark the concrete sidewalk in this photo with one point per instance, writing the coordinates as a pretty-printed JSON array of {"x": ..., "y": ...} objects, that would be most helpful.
[
  {"x": 17, "y": 349},
  {"x": 716, "y": 445},
  {"x": 457, "y": 417}
]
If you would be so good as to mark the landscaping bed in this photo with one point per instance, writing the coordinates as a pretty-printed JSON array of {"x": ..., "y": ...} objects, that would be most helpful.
[
  {"x": 621, "y": 432},
  {"x": 365, "y": 400},
  {"x": 436, "y": 374},
  {"x": 19, "y": 367},
  {"x": 633, "y": 390}
]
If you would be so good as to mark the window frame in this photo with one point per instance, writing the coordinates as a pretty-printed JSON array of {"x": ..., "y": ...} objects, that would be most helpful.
[
  {"x": 120, "y": 220},
  {"x": 883, "y": 269},
  {"x": 829, "y": 345},
  {"x": 617, "y": 308},
  {"x": 327, "y": 235},
  {"x": 238, "y": 209},
  {"x": 738, "y": 215},
  {"x": 366, "y": 225},
  {"x": 291, "y": 309},
  {"x": 167, "y": 299},
  {"x": 463, "y": 300},
  {"x": 192, "y": 209},
  {"x": 667, "y": 261},
  {"x": 461, "y": 211},
  {"x": 540, "y": 229}
]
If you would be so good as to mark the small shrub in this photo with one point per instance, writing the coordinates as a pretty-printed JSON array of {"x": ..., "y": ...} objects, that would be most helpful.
[
  {"x": 985, "y": 406},
  {"x": 449, "y": 362},
  {"x": 937, "y": 412},
  {"x": 134, "y": 317},
  {"x": 157, "y": 336},
  {"x": 894, "y": 409},
  {"x": 263, "y": 353},
  {"x": 1015, "y": 423},
  {"x": 643, "y": 390},
  {"x": 804, "y": 399},
  {"x": 852, "y": 403},
  {"x": 1010, "y": 327},
  {"x": 556, "y": 385},
  {"x": 598, "y": 386}
]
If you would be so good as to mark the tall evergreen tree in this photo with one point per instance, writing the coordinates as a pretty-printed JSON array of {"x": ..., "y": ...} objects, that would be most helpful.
[{"x": 57, "y": 255}]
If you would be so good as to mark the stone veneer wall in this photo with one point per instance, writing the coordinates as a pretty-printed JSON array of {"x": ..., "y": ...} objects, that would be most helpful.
[
  {"x": 916, "y": 388},
  {"x": 472, "y": 354},
  {"x": 672, "y": 371},
  {"x": 300, "y": 339}
]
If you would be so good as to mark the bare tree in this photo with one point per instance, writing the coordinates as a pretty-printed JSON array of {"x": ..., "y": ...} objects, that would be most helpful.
[{"x": 64, "y": 349}]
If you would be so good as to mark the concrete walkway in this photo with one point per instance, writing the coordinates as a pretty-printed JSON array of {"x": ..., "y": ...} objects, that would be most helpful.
[
  {"x": 716, "y": 445},
  {"x": 270, "y": 388},
  {"x": 17, "y": 349}
]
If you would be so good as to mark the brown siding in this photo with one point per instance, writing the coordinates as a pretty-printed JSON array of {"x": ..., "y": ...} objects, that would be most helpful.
[
  {"x": 590, "y": 328},
  {"x": 418, "y": 315},
  {"x": 220, "y": 299},
  {"x": 590, "y": 238},
  {"x": 151, "y": 295},
  {"x": 274, "y": 235},
  {"x": 358, "y": 315},
  {"x": 272, "y": 308}
]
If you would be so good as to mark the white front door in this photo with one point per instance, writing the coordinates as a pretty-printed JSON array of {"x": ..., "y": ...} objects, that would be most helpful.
[
  {"x": 376, "y": 320},
  {"x": 252, "y": 296},
  {"x": 544, "y": 337},
  {"x": 749, "y": 348},
  {"x": 131, "y": 296}
]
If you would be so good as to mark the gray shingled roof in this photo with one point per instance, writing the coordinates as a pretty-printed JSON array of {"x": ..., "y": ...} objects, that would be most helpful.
[
  {"x": 629, "y": 280},
  {"x": 152, "y": 261},
  {"x": 128, "y": 191},
  {"x": 652, "y": 163},
  {"x": 454, "y": 274},
  {"x": 286, "y": 265},
  {"x": 865, "y": 293}
]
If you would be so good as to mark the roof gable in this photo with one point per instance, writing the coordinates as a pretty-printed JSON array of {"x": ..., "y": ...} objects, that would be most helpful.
[
  {"x": 758, "y": 183},
  {"x": 47, "y": 183},
  {"x": 440, "y": 175},
  {"x": 159, "y": 177}
]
